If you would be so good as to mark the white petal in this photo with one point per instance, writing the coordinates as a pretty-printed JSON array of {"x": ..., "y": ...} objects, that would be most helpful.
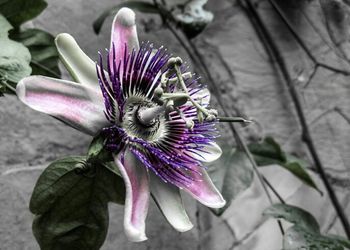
[
  {"x": 209, "y": 153},
  {"x": 136, "y": 181},
  {"x": 75, "y": 104},
  {"x": 168, "y": 199},
  {"x": 79, "y": 65}
]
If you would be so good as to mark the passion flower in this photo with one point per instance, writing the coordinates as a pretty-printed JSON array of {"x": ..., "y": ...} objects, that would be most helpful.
[{"x": 153, "y": 113}]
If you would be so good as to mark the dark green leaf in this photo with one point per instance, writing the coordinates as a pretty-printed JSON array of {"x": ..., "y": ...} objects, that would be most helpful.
[
  {"x": 5, "y": 27},
  {"x": 96, "y": 146},
  {"x": 112, "y": 167},
  {"x": 269, "y": 152},
  {"x": 70, "y": 201},
  {"x": 19, "y": 11},
  {"x": 343, "y": 241},
  {"x": 194, "y": 18},
  {"x": 14, "y": 57},
  {"x": 297, "y": 238},
  {"x": 97, "y": 151},
  {"x": 43, "y": 50},
  {"x": 232, "y": 174},
  {"x": 305, "y": 234},
  {"x": 294, "y": 215},
  {"x": 136, "y": 5},
  {"x": 301, "y": 162},
  {"x": 297, "y": 170}
]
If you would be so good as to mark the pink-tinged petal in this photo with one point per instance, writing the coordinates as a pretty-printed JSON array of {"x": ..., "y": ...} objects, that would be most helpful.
[
  {"x": 124, "y": 33},
  {"x": 168, "y": 199},
  {"x": 136, "y": 181},
  {"x": 203, "y": 189},
  {"x": 208, "y": 153},
  {"x": 75, "y": 104},
  {"x": 79, "y": 65}
]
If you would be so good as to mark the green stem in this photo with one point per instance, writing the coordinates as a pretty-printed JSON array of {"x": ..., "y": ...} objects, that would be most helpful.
[
  {"x": 9, "y": 87},
  {"x": 233, "y": 119}
]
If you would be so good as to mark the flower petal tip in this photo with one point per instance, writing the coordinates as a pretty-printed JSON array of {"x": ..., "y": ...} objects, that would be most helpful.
[
  {"x": 135, "y": 235},
  {"x": 218, "y": 204},
  {"x": 21, "y": 86},
  {"x": 184, "y": 228},
  {"x": 63, "y": 40},
  {"x": 218, "y": 151},
  {"x": 125, "y": 17},
  {"x": 21, "y": 89},
  {"x": 213, "y": 201}
]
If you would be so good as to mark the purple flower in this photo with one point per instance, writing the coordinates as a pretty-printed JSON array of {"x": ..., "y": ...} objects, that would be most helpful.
[{"x": 155, "y": 149}]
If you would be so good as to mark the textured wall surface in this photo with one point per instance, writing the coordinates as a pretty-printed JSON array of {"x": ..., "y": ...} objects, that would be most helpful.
[{"x": 247, "y": 81}]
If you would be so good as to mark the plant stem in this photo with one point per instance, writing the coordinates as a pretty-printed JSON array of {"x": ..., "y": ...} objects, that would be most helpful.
[
  {"x": 233, "y": 119},
  {"x": 12, "y": 89},
  {"x": 274, "y": 53}
]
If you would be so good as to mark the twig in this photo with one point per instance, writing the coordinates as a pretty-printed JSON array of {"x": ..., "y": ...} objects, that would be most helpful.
[
  {"x": 342, "y": 114},
  {"x": 301, "y": 42},
  {"x": 22, "y": 169},
  {"x": 276, "y": 57},
  {"x": 12, "y": 89}
]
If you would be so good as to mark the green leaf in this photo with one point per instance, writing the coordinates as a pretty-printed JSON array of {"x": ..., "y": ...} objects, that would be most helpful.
[
  {"x": 194, "y": 18},
  {"x": 297, "y": 238},
  {"x": 97, "y": 151},
  {"x": 70, "y": 201},
  {"x": 343, "y": 241},
  {"x": 43, "y": 51},
  {"x": 96, "y": 146},
  {"x": 5, "y": 27},
  {"x": 232, "y": 174},
  {"x": 269, "y": 152},
  {"x": 305, "y": 234},
  {"x": 136, "y": 5},
  {"x": 20, "y": 11},
  {"x": 14, "y": 57},
  {"x": 294, "y": 215},
  {"x": 297, "y": 170}
]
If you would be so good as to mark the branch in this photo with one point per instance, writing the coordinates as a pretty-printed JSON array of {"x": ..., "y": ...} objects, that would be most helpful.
[
  {"x": 301, "y": 42},
  {"x": 277, "y": 59}
]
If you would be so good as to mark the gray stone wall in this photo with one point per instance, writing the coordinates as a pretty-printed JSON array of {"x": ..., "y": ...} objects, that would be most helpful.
[{"x": 32, "y": 139}]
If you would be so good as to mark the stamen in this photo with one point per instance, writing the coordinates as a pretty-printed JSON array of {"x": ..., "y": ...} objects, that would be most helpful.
[{"x": 181, "y": 97}]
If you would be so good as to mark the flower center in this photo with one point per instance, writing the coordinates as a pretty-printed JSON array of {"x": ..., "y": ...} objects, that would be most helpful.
[{"x": 135, "y": 127}]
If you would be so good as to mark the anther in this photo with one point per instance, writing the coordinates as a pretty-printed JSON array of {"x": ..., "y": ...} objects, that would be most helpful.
[
  {"x": 189, "y": 124},
  {"x": 178, "y": 61},
  {"x": 210, "y": 118},
  {"x": 158, "y": 92},
  {"x": 171, "y": 62}
]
